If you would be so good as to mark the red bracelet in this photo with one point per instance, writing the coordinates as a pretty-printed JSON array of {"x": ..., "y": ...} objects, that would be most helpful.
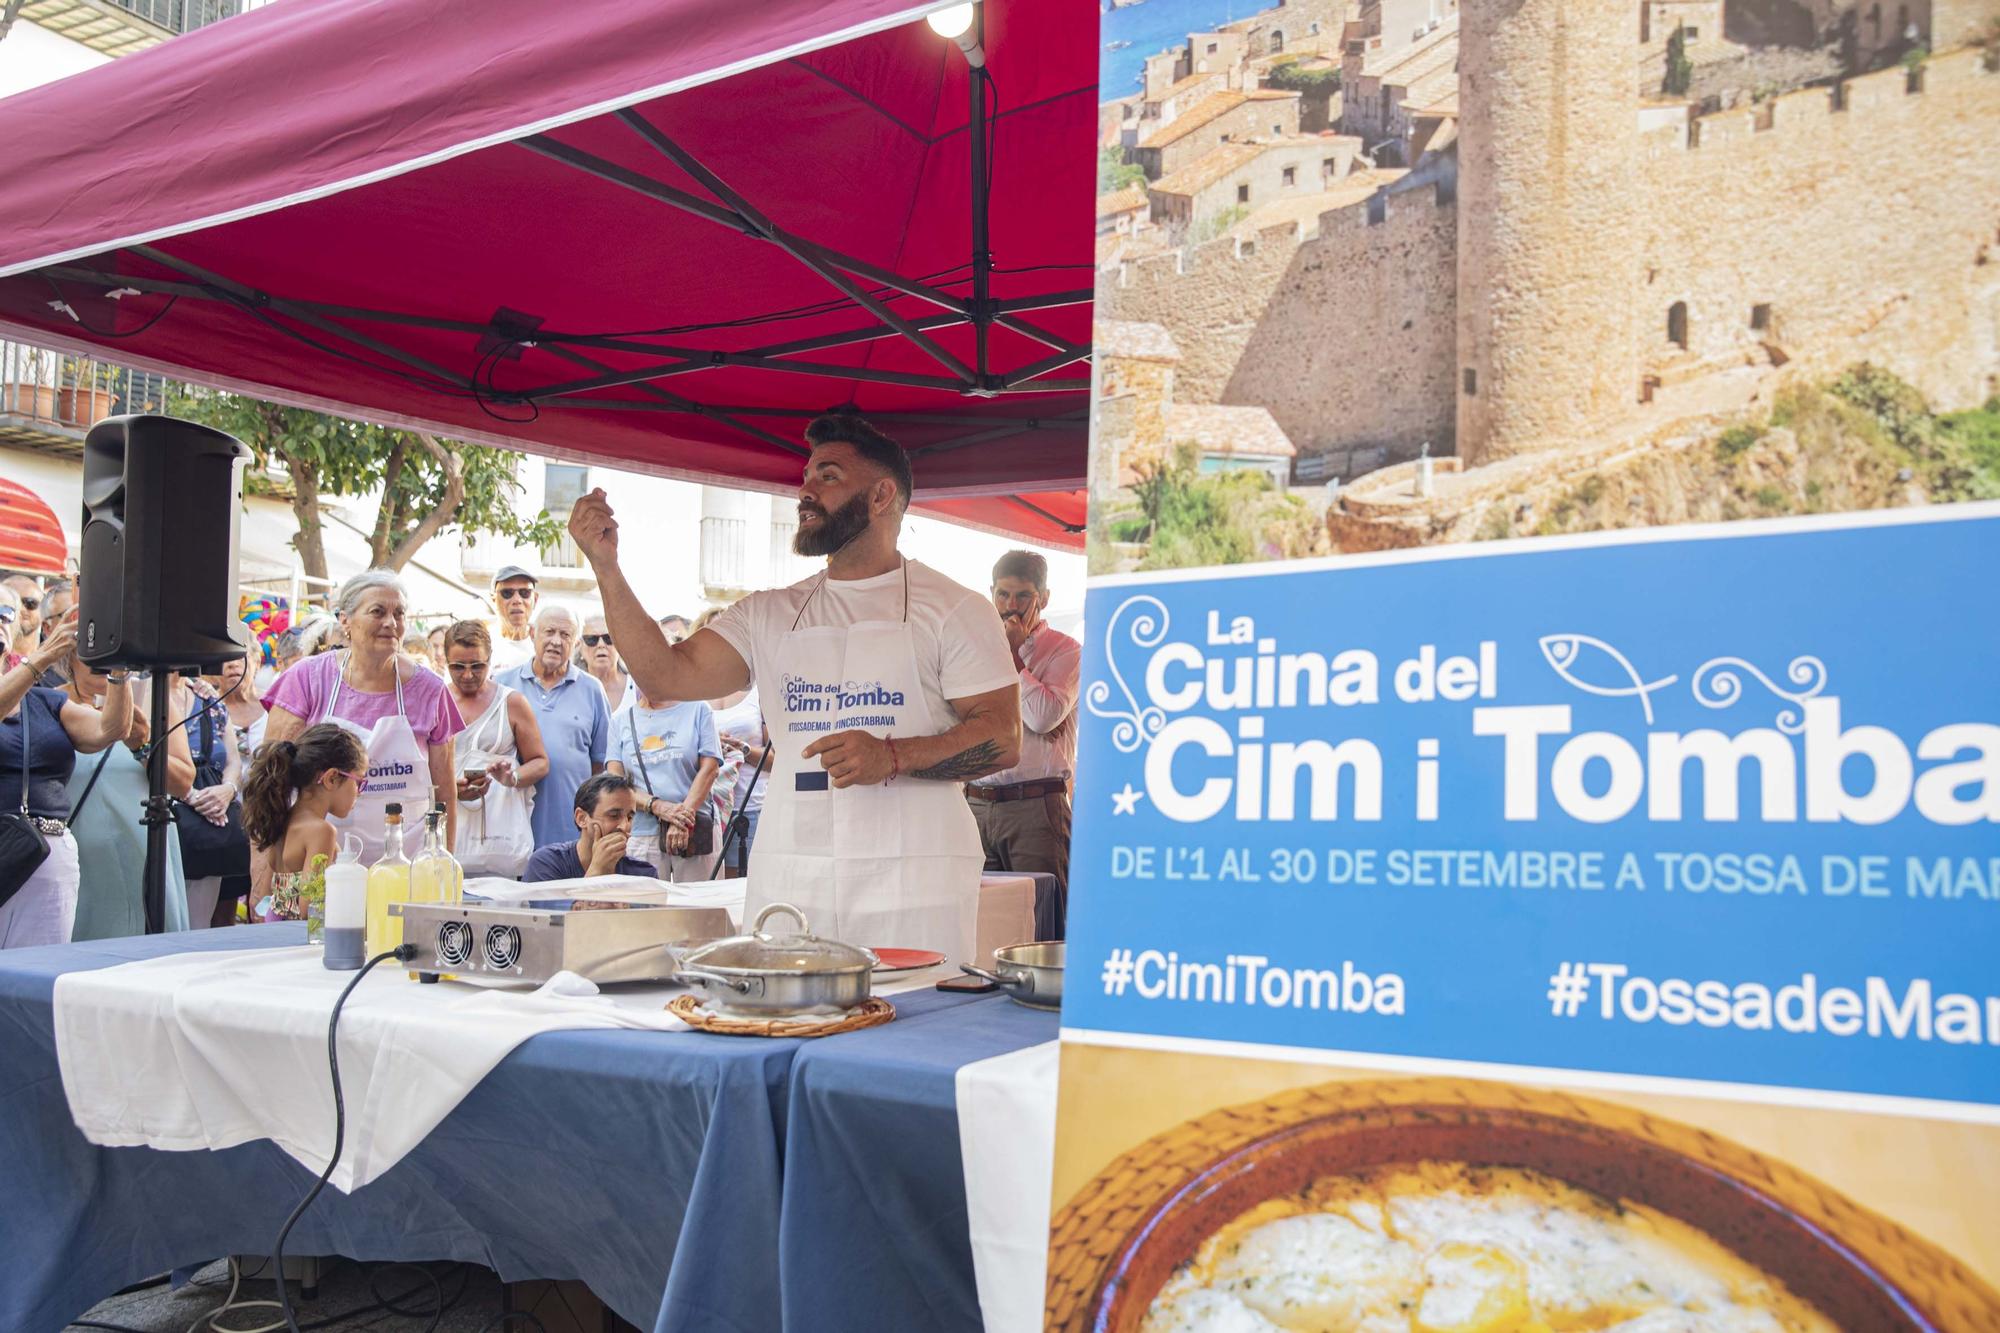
[{"x": 894, "y": 759}]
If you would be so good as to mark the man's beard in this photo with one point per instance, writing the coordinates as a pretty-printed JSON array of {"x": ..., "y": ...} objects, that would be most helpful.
[{"x": 836, "y": 528}]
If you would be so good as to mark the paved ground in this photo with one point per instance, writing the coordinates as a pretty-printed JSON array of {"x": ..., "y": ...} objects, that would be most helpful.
[{"x": 344, "y": 1290}]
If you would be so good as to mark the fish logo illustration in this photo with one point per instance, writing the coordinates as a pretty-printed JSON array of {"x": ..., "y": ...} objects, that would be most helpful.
[{"x": 1567, "y": 654}]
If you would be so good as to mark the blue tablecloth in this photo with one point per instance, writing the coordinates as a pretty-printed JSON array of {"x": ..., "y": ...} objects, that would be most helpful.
[
  {"x": 652, "y": 1166},
  {"x": 874, "y": 1215}
]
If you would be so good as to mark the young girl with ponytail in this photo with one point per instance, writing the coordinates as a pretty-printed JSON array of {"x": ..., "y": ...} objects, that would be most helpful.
[{"x": 294, "y": 785}]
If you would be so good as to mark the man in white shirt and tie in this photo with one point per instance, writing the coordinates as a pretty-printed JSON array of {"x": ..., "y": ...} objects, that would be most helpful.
[{"x": 1023, "y": 812}]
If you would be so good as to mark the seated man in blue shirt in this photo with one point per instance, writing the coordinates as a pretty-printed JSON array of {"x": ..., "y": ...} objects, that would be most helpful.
[{"x": 604, "y": 806}]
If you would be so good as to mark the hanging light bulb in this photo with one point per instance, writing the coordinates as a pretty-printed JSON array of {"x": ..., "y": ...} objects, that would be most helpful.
[
  {"x": 961, "y": 24},
  {"x": 953, "y": 22}
]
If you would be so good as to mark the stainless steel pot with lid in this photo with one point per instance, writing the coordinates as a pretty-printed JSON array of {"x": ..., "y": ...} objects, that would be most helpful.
[{"x": 771, "y": 975}]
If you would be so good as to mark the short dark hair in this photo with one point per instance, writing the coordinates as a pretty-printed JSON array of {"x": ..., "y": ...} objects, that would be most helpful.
[
  {"x": 1023, "y": 565},
  {"x": 595, "y": 789},
  {"x": 847, "y": 427}
]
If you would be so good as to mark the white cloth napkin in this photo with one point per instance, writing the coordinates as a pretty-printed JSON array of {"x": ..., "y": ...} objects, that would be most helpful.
[
  {"x": 209, "y": 1050},
  {"x": 1007, "y": 1142}
]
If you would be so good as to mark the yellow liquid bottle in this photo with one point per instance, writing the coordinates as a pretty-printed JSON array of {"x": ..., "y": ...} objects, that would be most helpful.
[
  {"x": 388, "y": 882},
  {"x": 435, "y": 874}
]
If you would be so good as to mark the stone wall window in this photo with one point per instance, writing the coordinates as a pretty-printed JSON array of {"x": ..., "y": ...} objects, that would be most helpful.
[
  {"x": 1291, "y": 175},
  {"x": 1471, "y": 382},
  {"x": 1277, "y": 41},
  {"x": 1677, "y": 324},
  {"x": 1242, "y": 194},
  {"x": 1760, "y": 317},
  {"x": 1645, "y": 22}
]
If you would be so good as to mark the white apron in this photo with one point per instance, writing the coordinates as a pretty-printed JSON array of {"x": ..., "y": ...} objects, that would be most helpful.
[
  {"x": 399, "y": 769},
  {"x": 895, "y": 864}
]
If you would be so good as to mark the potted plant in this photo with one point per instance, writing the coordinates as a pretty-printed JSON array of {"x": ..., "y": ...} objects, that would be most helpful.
[
  {"x": 84, "y": 396},
  {"x": 30, "y": 390}
]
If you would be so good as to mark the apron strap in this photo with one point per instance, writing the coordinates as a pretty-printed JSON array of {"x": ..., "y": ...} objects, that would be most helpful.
[
  {"x": 814, "y": 592},
  {"x": 347, "y": 657}
]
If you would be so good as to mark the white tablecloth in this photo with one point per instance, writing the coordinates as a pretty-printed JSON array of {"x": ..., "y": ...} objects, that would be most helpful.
[
  {"x": 209, "y": 1050},
  {"x": 1007, "y": 1144}
]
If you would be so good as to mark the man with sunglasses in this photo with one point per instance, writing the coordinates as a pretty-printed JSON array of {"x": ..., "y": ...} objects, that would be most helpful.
[{"x": 515, "y": 595}]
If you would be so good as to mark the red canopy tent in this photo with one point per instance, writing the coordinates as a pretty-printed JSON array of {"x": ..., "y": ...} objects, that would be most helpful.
[{"x": 658, "y": 234}]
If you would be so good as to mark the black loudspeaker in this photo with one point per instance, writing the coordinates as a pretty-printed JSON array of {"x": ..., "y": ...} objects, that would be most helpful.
[{"x": 157, "y": 582}]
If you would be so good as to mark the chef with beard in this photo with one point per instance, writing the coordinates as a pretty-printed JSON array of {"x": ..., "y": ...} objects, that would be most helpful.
[{"x": 886, "y": 688}]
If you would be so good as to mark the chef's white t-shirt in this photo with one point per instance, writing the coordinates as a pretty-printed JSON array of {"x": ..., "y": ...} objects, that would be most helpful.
[{"x": 961, "y": 649}]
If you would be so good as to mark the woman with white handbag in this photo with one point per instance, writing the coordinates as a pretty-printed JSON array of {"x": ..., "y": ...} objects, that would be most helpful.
[{"x": 500, "y": 758}]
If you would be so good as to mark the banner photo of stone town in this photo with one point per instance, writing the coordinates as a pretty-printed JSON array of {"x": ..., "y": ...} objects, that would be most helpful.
[{"x": 1379, "y": 274}]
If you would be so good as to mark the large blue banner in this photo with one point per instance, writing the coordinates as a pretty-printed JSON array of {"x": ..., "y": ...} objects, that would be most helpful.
[{"x": 1723, "y": 807}]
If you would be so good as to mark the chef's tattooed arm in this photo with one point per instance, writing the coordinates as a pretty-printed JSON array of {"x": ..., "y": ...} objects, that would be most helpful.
[
  {"x": 977, "y": 761},
  {"x": 987, "y": 739}
]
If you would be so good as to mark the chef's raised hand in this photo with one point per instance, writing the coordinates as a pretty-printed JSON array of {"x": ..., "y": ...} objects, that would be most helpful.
[
  {"x": 592, "y": 527},
  {"x": 853, "y": 758}
]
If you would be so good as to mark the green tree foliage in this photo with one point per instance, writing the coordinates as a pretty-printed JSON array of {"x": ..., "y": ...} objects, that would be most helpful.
[
  {"x": 427, "y": 485},
  {"x": 1293, "y": 77},
  {"x": 1193, "y": 519},
  {"x": 1680, "y": 69},
  {"x": 1114, "y": 173}
]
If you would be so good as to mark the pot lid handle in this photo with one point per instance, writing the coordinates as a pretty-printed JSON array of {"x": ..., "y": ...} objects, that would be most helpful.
[{"x": 757, "y": 927}]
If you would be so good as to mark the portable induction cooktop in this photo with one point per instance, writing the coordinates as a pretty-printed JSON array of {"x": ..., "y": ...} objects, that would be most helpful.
[{"x": 610, "y": 939}]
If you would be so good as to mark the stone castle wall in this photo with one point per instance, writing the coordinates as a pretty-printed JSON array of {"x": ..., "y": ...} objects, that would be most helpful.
[
  {"x": 1871, "y": 233},
  {"x": 1381, "y": 278},
  {"x": 1210, "y": 297},
  {"x": 1548, "y": 204}
]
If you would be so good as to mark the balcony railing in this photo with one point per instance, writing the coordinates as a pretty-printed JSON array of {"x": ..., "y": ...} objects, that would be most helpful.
[
  {"x": 51, "y": 400},
  {"x": 561, "y": 554},
  {"x": 724, "y": 552},
  {"x": 121, "y": 27}
]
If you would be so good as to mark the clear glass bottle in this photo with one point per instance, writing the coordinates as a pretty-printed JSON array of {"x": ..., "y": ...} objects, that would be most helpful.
[
  {"x": 435, "y": 874},
  {"x": 388, "y": 882}
]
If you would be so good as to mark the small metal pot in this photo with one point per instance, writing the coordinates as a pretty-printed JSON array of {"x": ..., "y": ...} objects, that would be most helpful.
[
  {"x": 1031, "y": 974},
  {"x": 769, "y": 976}
]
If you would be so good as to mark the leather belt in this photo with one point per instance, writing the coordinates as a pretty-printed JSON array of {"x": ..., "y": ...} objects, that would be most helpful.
[{"x": 1019, "y": 791}]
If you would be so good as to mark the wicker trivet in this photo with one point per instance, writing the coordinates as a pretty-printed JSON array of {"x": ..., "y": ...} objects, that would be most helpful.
[{"x": 872, "y": 1012}]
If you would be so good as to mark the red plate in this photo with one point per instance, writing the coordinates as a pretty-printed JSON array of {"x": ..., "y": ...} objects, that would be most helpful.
[{"x": 907, "y": 960}]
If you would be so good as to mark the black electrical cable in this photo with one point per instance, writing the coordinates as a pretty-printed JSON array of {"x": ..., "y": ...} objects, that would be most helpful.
[
  {"x": 992, "y": 130},
  {"x": 222, "y": 698},
  {"x": 439, "y": 1304},
  {"x": 401, "y": 953}
]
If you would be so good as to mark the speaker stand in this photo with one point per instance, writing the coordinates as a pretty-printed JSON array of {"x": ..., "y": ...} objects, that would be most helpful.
[{"x": 159, "y": 810}]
